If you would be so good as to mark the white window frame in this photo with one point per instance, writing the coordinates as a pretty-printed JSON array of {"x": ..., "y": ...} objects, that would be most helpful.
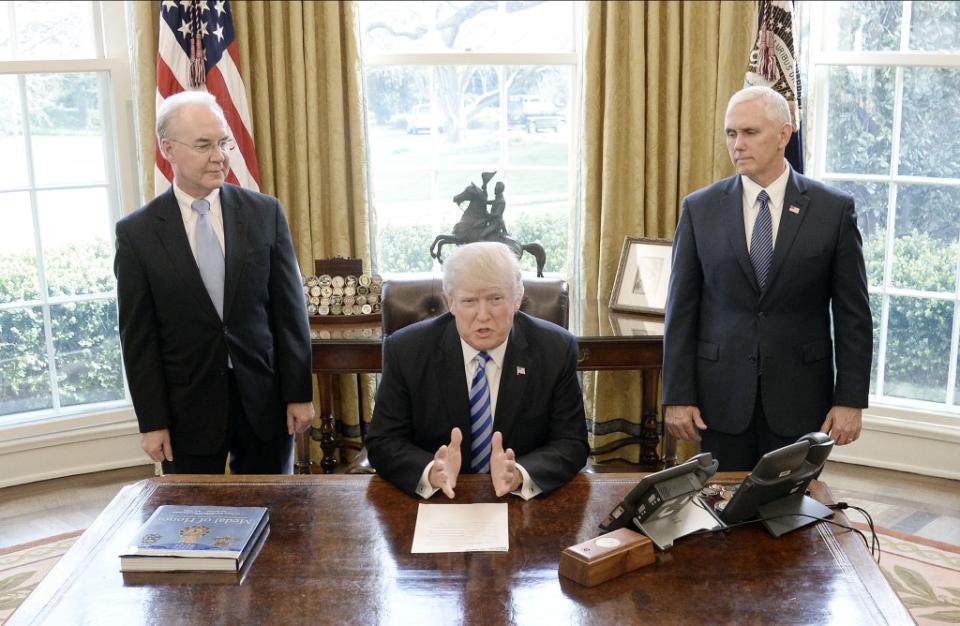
[
  {"x": 88, "y": 437},
  {"x": 899, "y": 434},
  {"x": 498, "y": 60}
]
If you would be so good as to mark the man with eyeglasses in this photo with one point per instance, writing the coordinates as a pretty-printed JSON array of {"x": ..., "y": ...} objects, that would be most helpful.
[
  {"x": 482, "y": 389},
  {"x": 213, "y": 327}
]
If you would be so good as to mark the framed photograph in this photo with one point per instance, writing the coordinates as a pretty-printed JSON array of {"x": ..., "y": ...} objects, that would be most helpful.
[
  {"x": 630, "y": 325},
  {"x": 642, "y": 277}
]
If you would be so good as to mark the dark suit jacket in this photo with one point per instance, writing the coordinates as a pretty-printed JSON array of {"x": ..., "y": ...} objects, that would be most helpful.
[
  {"x": 722, "y": 331},
  {"x": 423, "y": 395},
  {"x": 175, "y": 346}
]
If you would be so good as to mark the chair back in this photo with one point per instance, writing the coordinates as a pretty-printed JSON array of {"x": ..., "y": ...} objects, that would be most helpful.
[{"x": 410, "y": 298}]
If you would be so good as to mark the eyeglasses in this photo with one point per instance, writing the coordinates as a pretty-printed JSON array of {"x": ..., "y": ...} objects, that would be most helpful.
[{"x": 205, "y": 148}]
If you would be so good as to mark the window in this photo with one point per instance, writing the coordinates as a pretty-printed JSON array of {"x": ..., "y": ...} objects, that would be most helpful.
[
  {"x": 59, "y": 197},
  {"x": 454, "y": 89},
  {"x": 887, "y": 80}
]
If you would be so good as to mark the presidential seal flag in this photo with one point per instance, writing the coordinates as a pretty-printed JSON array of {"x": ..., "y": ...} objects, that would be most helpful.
[
  {"x": 773, "y": 63},
  {"x": 198, "y": 51}
]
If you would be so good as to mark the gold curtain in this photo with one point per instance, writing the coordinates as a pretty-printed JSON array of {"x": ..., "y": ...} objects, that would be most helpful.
[
  {"x": 657, "y": 79},
  {"x": 301, "y": 72}
]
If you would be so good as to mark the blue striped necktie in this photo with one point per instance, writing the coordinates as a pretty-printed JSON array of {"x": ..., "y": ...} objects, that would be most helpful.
[
  {"x": 761, "y": 242},
  {"x": 481, "y": 417},
  {"x": 209, "y": 254}
]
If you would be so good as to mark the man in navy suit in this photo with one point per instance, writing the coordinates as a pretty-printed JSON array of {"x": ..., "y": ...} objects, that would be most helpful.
[
  {"x": 483, "y": 388},
  {"x": 765, "y": 265},
  {"x": 213, "y": 326}
]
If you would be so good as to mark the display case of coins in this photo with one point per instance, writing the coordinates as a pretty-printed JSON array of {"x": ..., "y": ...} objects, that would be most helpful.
[{"x": 341, "y": 292}]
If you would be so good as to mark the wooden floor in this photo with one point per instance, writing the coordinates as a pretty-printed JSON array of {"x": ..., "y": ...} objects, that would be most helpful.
[{"x": 919, "y": 505}]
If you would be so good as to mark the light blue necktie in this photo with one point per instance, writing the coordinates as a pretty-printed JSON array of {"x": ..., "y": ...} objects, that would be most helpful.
[
  {"x": 209, "y": 254},
  {"x": 481, "y": 417},
  {"x": 761, "y": 242}
]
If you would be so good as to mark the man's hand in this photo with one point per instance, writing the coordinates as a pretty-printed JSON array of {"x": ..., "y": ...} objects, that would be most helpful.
[
  {"x": 683, "y": 421},
  {"x": 843, "y": 424},
  {"x": 299, "y": 416},
  {"x": 446, "y": 465},
  {"x": 503, "y": 468},
  {"x": 156, "y": 444}
]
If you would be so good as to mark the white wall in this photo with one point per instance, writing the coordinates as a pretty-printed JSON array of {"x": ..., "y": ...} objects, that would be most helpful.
[
  {"x": 66, "y": 446},
  {"x": 897, "y": 439}
]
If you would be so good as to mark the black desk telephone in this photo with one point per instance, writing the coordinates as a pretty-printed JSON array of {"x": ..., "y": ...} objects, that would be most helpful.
[{"x": 655, "y": 492}]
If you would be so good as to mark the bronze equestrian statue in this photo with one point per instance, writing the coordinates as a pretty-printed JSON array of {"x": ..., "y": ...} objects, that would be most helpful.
[{"x": 477, "y": 224}]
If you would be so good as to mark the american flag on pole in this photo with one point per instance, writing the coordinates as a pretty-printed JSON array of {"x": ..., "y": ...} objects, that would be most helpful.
[
  {"x": 198, "y": 51},
  {"x": 773, "y": 63}
]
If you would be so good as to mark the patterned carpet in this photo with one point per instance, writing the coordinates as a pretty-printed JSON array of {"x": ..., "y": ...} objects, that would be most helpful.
[
  {"x": 924, "y": 573},
  {"x": 22, "y": 568}
]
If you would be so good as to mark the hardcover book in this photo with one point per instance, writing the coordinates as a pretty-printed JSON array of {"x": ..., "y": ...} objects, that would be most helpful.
[{"x": 196, "y": 538}]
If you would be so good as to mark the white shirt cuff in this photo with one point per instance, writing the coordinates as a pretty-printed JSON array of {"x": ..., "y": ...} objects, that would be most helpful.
[
  {"x": 424, "y": 489},
  {"x": 528, "y": 489}
]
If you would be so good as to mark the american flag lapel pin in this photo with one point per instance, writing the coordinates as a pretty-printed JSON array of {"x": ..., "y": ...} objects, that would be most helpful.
[
  {"x": 794, "y": 208},
  {"x": 521, "y": 371}
]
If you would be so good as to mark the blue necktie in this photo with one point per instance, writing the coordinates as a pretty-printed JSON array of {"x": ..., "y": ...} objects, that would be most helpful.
[
  {"x": 209, "y": 254},
  {"x": 481, "y": 417},
  {"x": 761, "y": 242}
]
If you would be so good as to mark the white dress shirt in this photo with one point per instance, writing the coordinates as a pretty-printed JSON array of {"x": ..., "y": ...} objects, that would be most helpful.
[
  {"x": 493, "y": 368},
  {"x": 751, "y": 206}
]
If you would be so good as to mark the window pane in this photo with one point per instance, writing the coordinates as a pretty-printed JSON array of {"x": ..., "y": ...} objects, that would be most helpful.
[
  {"x": 871, "y": 202},
  {"x": 392, "y": 95},
  {"x": 538, "y": 104},
  {"x": 876, "y": 304},
  {"x": 403, "y": 27},
  {"x": 860, "y": 119},
  {"x": 927, "y": 231},
  {"x": 935, "y": 26},
  {"x": 65, "y": 128},
  {"x": 6, "y": 40},
  {"x": 87, "y": 346},
  {"x": 930, "y": 138},
  {"x": 918, "y": 348},
  {"x": 18, "y": 259},
  {"x": 54, "y": 30},
  {"x": 24, "y": 379},
  {"x": 405, "y": 246},
  {"x": 862, "y": 25},
  {"x": 13, "y": 155},
  {"x": 74, "y": 226}
]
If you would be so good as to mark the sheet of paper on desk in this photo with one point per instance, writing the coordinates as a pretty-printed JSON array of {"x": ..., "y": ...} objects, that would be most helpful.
[{"x": 461, "y": 528}]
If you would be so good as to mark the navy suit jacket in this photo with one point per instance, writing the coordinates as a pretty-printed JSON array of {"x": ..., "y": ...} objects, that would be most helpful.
[
  {"x": 722, "y": 332},
  {"x": 423, "y": 395},
  {"x": 175, "y": 346}
]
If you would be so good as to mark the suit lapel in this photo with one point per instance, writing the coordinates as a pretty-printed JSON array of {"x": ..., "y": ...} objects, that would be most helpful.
[
  {"x": 173, "y": 239},
  {"x": 452, "y": 381},
  {"x": 731, "y": 205},
  {"x": 234, "y": 229},
  {"x": 790, "y": 221},
  {"x": 513, "y": 381}
]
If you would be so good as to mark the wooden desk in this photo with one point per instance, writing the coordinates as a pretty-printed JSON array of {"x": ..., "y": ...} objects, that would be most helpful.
[
  {"x": 608, "y": 341},
  {"x": 339, "y": 552}
]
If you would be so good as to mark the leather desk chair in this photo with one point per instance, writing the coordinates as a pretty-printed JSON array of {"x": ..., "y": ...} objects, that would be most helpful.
[{"x": 410, "y": 298}]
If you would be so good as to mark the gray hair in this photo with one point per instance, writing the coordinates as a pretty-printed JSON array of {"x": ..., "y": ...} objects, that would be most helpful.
[
  {"x": 482, "y": 265},
  {"x": 775, "y": 105},
  {"x": 167, "y": 112}
]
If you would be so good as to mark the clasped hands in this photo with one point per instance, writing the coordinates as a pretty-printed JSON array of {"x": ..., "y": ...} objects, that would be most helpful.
[{"x": 504, "y": 473}]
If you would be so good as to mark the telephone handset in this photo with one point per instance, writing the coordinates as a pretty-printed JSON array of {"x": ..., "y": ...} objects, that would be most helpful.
[{"x": 655, "y": 492}]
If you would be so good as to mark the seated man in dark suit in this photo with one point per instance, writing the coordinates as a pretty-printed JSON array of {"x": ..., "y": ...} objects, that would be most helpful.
[{"x": 485, "y": 378}]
